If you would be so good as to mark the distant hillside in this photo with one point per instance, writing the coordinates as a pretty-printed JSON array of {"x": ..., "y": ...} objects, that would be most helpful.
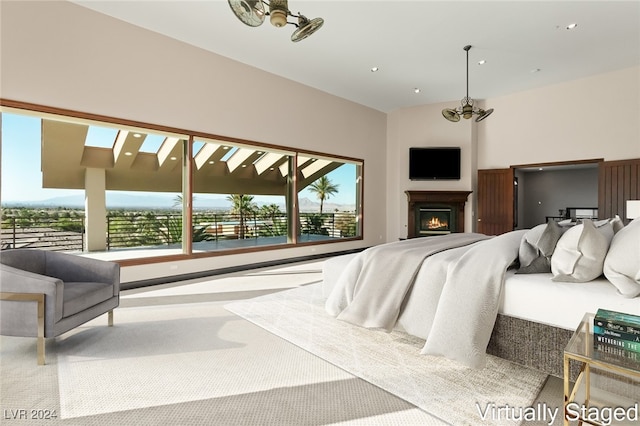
[{"x": 128, "y": 201}]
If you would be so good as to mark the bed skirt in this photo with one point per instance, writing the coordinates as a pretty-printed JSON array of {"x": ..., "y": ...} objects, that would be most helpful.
[{"x": 531, "y": 344}]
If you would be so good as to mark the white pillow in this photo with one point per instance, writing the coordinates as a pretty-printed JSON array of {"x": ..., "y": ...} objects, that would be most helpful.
[
  {"x": 622, "y": 264},
  {"x": 580, "y": 253}
]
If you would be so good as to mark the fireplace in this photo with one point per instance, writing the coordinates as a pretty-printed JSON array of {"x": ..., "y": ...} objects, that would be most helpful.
[
  {"x": 435, "y": 212},
  {"x": 434, "y": 221}
]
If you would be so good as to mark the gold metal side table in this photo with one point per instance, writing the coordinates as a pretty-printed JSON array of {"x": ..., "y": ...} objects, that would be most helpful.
[{"x": 607, "y": 389}]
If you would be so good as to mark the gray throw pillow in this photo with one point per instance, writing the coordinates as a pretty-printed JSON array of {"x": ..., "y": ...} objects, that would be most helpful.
[
  {"x": 580, "y": 252},
  {"x": 536, "y": 248},
  {"x": 622, "y": 264}
]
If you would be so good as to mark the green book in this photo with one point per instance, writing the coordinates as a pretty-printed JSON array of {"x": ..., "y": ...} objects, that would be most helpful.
[
  {"x": 617, "y": 321},
  {"x": 608, "y": 332}
]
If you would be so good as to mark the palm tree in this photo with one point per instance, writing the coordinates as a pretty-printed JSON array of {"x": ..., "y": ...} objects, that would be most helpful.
[
  {"x": 323, "y": 188},
  {"x": 242, "y": 205},
  {"x": 272, "y": 212},
  {"x": 177, "y": 201}
]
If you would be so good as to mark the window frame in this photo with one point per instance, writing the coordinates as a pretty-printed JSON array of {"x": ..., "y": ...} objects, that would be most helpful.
[{"x": 43, "y": 112}]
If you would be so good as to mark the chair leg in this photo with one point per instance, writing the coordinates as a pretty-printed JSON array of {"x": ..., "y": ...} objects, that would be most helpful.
[
  {"x": 110, "y": 318},
  {"x": 40, "y": 344}
]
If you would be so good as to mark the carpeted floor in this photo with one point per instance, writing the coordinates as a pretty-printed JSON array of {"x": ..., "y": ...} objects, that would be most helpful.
[{"x": 176, "y": 356}]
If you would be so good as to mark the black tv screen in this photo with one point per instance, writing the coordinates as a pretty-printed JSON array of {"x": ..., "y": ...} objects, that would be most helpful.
[{"x": 434, "y": 163}]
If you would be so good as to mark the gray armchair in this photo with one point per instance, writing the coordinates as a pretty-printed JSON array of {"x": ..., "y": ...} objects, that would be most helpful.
[{"x": 45, "y": 293}]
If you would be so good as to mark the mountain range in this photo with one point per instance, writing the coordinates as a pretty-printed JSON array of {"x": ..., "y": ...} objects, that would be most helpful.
[{"x": 128, "y": 201}]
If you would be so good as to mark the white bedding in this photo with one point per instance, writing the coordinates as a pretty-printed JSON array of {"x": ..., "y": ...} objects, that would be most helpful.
[
  {"x": 532, "y": 297},
  {"x": 434, "y": 288},
  {"x": 535, "y": 297}
]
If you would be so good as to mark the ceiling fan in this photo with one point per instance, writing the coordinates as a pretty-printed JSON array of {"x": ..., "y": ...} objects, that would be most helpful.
[
  {"x": 253, "y": 13},
  {"x": 466, "y": 108}
]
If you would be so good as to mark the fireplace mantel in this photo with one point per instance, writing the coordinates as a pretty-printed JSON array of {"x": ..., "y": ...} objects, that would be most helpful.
[{"x": 454, "y": 199}]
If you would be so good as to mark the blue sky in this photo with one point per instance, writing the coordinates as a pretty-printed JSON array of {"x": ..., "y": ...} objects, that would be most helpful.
[{"x": 22, "y": 178}]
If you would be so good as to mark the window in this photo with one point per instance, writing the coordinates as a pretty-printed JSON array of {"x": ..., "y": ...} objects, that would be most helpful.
[{"x": 135, "y": 192}]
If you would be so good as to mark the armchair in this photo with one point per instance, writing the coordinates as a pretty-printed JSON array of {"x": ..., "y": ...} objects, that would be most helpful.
[{"x": 45, "y": 293}]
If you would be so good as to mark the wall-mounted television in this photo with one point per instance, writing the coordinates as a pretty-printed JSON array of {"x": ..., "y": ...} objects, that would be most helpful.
[{"x": 434, "y": 163}]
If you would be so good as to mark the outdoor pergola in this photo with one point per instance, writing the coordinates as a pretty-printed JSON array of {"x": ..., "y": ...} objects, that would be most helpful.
[{"x": 217, "y": 167}]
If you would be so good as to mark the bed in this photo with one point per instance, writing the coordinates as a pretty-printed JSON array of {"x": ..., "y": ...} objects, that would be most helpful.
[{"x": 543, "y": 280}]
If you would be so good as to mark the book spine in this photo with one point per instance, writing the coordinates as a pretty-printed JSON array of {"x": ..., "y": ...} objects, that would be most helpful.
[
  {"x": 607, "y": 332},
  {"x": 618, "y": 318},
  {"x": 606, "y": 352},
  {"x": 614, "y": 341},
  {"x": 616, "y": 326}
]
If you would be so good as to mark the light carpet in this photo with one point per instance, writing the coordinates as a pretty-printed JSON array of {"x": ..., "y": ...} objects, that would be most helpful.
[
  {"x": 392, "y": 361},
  {"x": 170, "y": 354}
]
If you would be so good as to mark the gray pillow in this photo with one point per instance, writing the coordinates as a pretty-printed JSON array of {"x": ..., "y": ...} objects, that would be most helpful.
[
  {"x": 615, "y": 221},
  {"x": 580, "y": 252},
  {"x": 536, "y": 248},
  {"x": 622, "y": 264}
]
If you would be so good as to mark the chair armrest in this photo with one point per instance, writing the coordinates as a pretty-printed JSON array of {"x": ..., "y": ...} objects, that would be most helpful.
[
  {"x": 13, "y": 280},
  {"x": 76, "y": 268}
]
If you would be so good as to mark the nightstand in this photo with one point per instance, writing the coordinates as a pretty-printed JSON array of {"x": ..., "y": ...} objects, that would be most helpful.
[{"x": 607, "y": 390}]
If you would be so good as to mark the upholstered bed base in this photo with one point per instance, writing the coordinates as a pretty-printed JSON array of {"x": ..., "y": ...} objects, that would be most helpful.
[{"x": 529, "y": 343}]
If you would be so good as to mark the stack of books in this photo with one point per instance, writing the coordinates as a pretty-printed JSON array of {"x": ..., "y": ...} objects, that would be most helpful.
[{"x": 616, "y": 336}]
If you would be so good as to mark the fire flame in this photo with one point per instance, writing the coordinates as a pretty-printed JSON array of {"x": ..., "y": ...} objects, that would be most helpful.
[{"x": 435, "y": 223}]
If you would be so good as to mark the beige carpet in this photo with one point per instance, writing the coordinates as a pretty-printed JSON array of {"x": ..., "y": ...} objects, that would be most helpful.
[
  {"x": 443, "y": 388},
  {"x": 176, "y": 342},
  {"x": 176, "y": 356},
  {"x": 166, "y": 355}
]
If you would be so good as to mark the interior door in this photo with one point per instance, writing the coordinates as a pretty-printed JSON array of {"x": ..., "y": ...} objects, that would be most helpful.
[{"x": 495, "y": 201}]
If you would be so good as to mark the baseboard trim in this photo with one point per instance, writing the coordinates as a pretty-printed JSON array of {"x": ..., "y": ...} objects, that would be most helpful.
[{"x": 229, "y": 270}]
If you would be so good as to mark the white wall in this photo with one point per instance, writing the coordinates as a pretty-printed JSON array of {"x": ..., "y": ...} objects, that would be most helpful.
[
  {"x": 62, "y": 55},
  {"x": 595, "y": 117}
]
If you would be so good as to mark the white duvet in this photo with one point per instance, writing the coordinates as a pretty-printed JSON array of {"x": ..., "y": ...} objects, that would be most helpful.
[{"x": 445, "y": 289}]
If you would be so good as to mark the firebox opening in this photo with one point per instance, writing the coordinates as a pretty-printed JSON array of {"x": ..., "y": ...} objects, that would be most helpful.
[{"x": 435, "y": 221}]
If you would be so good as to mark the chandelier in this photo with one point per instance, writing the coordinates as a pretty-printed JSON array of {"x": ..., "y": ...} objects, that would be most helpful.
[
  {"x": 253, "y": 13},
  {"x": 466, "y": 108}
]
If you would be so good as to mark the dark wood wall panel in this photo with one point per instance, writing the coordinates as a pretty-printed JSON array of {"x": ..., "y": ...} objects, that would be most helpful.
[{"x": 618, "y": 181}]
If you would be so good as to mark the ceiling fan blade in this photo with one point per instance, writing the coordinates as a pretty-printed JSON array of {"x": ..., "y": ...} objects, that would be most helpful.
[
  {"x": 451, "y": 115},
  {"x": 250, "y": 12}
]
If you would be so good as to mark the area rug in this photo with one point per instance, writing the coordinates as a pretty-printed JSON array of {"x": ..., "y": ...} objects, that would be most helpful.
[
  {"x": 168, "y": 355},
  {"x": 392, "y": 361}
]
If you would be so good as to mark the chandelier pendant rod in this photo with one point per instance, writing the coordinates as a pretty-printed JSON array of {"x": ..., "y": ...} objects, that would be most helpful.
[{"x": 467, "y": 48}]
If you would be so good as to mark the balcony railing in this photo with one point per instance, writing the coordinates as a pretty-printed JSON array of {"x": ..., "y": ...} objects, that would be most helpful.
[
  {"x": 146, "y": 229},
  {"x": 56, "y": 234}
]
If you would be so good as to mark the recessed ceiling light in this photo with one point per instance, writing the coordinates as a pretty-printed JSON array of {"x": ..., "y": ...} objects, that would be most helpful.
[
  {"x": 416, "y": 90},
  {"x": 128, "y": 154},
  {"x": 244, "y": 165},
  {"x": 211, "y": 162},
  {"x": 374, "y": 69},
  {"x": 482, "y": 62},
  {"x": 173, "y": 158},
  {"x": 571, "y": 26},
  {"x": 137, "y": 135}
]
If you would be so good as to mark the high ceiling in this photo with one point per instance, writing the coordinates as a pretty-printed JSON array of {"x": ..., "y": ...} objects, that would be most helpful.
[{"x": 415, "y": 44}]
